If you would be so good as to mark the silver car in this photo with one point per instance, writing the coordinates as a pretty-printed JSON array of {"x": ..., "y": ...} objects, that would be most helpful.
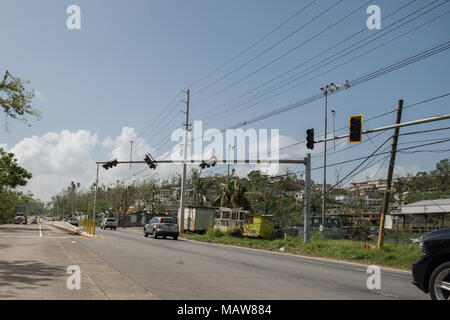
[
  {"x": 162, "y": 227},
  {"x": 110, "y": 223}
]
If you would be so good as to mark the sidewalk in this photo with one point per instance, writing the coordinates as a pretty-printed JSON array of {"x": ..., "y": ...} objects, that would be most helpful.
[{"x": 34, "y": 267}]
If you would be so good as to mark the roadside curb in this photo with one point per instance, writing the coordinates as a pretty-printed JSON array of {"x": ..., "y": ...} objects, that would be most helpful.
[{"x": 70, "y": 228}]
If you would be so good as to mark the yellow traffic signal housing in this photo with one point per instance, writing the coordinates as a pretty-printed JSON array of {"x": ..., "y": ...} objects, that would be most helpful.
[{"x": 355, "y": 129}]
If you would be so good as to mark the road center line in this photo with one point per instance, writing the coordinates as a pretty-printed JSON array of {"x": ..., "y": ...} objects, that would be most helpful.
[{"x": 40, "y": 231}]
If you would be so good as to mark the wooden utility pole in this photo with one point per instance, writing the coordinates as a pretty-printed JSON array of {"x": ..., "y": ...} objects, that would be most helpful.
[{"x": 387, "y": 193}]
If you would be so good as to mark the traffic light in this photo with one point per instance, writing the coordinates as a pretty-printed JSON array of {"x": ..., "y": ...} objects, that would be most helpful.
[
  {"x": 355, "y": 130},
  {"x": 150, "y": 161},
  {"x": 208, "y": 163},
  {"x": 310, "y": 139},
  {"x": 110, "y": 164}
]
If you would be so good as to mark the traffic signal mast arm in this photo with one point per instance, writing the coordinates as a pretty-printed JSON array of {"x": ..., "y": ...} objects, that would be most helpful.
[
  {"x": 248, "y": 161},
  {"x": 405, "y": 124}
]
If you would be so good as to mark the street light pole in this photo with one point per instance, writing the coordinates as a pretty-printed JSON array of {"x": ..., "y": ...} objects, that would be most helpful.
[
  {"x": 324, "y": 189},
  {"x": 95, "y": 194},
  {"x": 328, "y": 89}
]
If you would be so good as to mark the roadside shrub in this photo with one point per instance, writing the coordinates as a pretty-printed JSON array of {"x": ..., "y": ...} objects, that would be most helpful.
[
  {"x": 214, "y": 233},
  {"x": 235, "y": 232}
]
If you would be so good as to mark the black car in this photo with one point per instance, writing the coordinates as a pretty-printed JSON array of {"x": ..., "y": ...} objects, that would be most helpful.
[{"x": 431, "y": 272}]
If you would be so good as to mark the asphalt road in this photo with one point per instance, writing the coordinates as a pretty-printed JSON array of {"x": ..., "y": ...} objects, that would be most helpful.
[{"x": 186, "y": 269}]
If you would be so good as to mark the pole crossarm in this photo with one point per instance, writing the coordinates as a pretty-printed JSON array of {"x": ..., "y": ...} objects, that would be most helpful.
[
  {"x": 247, "y": 161},
  {"x": 394, "y": 126}
]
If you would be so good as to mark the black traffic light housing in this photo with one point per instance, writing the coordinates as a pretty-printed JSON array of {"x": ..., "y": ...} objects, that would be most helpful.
[
  {"x": 110, "y": 164},
  {"x": 310, "y": 139},
  {"x": 355, "y": 129},
  {"x": 150, "y": 161}
]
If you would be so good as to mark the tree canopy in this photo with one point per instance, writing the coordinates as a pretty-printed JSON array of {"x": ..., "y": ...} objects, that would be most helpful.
[
  {"x": 15, "y": 100},
  {"x": 11, "y": 174}
]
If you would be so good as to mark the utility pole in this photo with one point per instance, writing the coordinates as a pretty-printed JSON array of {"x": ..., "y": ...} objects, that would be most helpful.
[
  {"x": 95, "y": 194},
  {"x": 387, "y": 193},
  {"x": 328, "y": 89},
  {"x": 334, "y": 128},
  {"x": 72, "y": 189},
  {"x": 125, "y": 208},
  {"x": 131, "y": 153},
  {"x": 153, "y": 199},
  {"x": 307, "y": 201},
  {"x": 183, "y": 177},
  {"x": 230, "y": 147},
  {"x": 324, "y": 189}
]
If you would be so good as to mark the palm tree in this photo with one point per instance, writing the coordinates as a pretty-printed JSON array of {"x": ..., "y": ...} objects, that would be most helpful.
[{"x": 232, "y": 194}]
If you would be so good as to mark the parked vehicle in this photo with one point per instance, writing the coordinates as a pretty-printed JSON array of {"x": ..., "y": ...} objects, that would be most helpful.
[
  {"x": 34, "y": 220},
  {"x": 258, "y": 226},
  {"x": 198, "y": 219},
  {"x": 162, "y": 227},
  {"x": 20, "y": 215},
  {"x": 73, "y": 221},
  {"x": 431, "y": 271},
  {"x": 110, "y": 223}
]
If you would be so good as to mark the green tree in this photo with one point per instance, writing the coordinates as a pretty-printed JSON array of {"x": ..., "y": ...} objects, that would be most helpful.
[
  {"x": 11, "y": 174},
  {"x": 16, "y": 100}
]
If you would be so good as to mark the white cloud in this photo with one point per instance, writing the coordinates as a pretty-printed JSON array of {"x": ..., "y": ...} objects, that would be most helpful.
[
  {"x": 120, "y": 149},
  {"x": 56, "y": 159}
]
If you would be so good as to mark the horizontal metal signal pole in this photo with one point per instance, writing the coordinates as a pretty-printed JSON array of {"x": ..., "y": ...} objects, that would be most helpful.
[
  {"x": 405, "y": 124},
  {"x": 281, "y": 161}
]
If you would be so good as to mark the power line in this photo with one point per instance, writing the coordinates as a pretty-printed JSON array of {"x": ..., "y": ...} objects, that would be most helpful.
[
  {"x": 398, "y": 65},
  {"x": 327, "y": 61},
  {"x": 365, "y": 78},
  {"x": 160, "y": 114},
  {"x": 270, "y": 48},
  {"x": 321, "y": 63},
  {"x": 285, "y": 54},
  {"x": 382, "y": 115},
  {"x": 251, "y": 46}
]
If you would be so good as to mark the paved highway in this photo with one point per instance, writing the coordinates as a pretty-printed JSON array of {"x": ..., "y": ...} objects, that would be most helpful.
[{"x": 186, "y": 269}]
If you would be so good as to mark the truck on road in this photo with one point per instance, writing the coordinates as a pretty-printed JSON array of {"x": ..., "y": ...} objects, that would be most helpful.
[{"x": 20, "y": 215}]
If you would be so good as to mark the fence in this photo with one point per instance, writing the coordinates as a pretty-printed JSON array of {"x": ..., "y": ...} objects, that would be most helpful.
[{"x": 329, "y": 233}]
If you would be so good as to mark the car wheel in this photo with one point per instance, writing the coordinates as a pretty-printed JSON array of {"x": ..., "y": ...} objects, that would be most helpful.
[
  {"x": 154, "y": 234},
  {"x": 145, "y": 233},
  {"x": 440, "y": 282},
  {"x": 175, "y": 237}
]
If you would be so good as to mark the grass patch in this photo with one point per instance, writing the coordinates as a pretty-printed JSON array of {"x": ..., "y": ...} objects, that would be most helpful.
[{"x": 400, "y": 256}]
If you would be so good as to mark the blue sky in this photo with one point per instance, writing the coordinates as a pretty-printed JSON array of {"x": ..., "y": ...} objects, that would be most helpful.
[{"x": 131, "y": 58}]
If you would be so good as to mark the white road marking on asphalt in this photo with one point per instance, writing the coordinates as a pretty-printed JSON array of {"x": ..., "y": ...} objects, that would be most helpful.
[
  {"x": 18, "y": 236},
  {"x": 40, "y": 231}
]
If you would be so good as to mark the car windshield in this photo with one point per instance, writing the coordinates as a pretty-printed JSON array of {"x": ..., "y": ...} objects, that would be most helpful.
[{"x": 111, "y": 220}]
